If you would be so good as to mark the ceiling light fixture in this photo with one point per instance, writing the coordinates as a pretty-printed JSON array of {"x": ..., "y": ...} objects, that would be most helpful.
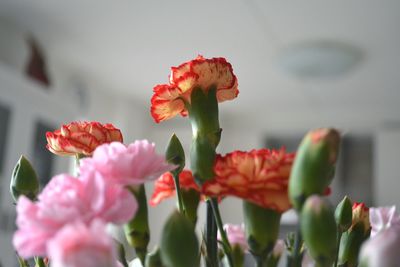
[{"x": 321, "y": 59}]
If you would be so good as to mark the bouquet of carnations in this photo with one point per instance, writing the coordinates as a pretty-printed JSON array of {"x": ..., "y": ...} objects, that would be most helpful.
[{"x": 64, "y": 224}]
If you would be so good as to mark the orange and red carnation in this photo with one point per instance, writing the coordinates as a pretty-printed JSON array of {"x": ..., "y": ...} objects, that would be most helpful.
[
  {"x": 258, "y": 176},
  {"x": 169, "y": 99},
  {"x": 81, "y": 138},
  {"x": 164, "y": 187}
]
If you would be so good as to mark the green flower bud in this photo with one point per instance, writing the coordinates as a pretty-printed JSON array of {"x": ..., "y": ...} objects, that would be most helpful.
[
  {"x": 137, "y": 230},
  {"x": 179, "y": 246},
  {"x": 153, "y": 259},
  {"x": 314, "y": 165},
  {"x": 24, "y": 180},
  {"x": 174, "y": 154},
  {"x": 261, "y": 227},
  {"x": 343, "y": 214},
  {"x": 318, "y": 227}
]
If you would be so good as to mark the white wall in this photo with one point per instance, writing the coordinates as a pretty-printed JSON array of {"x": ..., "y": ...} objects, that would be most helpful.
[{"x": 387, "y": 168}]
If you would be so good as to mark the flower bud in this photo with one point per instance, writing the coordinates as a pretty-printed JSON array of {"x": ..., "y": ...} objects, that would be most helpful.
[
  {"x": 153, "y": 259},
  {"x": 314, "y": 165},
  {"x": 261, "y": 227},
  {"x": 361, "y": 216},
  {"x": 343, "y": 214},
  {"x": 175, "y": 155},
  {"x": 318, "y": 227},
  {"x": 179, "y": 246},
  {"x": 353, "y": 238},
  {"x": 24, "y": 180},
  {"x": 382, "y": 249}
]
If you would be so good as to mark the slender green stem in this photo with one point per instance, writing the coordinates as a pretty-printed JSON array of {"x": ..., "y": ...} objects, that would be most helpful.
[
  {"x": 39, "y": 262},
  {"x": 211, "y": 238},
  {"x": 226, "y": 245},
  {"x": 339, "y": 236},
  {"x": 178, "y": 193}
]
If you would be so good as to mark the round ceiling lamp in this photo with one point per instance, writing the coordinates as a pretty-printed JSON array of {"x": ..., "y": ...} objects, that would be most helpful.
[{"x": 323, "y": 59}]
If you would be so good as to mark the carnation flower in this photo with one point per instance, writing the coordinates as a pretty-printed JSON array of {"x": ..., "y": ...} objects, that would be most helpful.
[
  {"x": 382, "y": 218},
  {"x": 169, "y": 99},
  {"x": 127, "y": 165},
  {"x": 236, "y": 235},
  {"x": 81, "y": 138},
  {"x": 164, "y": 187},
  {"x": 79, "y": 245},
  {"x": 66, "y": 199},
  {"x": 258, "y": 176}
]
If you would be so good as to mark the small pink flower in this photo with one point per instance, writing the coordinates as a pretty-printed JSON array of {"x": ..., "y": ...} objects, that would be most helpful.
[
  {"x": 236, "y": 235},
  {"x": 79, "y": 245},
  {"x": 382, "y": 218},
  {"x": 67, "y": 199},
  {"x": 127, "y": 165}
]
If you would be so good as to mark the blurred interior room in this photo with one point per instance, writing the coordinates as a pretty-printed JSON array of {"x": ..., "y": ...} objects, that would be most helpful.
[{"x": 300, "y": 66}]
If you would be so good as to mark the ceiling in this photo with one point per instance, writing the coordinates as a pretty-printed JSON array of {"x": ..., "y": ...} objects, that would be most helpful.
[{"x": 130, "y": 45}]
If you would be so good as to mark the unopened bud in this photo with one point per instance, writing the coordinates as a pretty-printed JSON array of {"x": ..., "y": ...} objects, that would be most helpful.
[
  {"x": 175, "y": 154},
  {"x": 314, "y": 165},
  {"x": 179, "y": 245},
  {"x": 24, "y": 180},
  {"x": 319, "y": 230},
  {"x": 343, "y": 214}
]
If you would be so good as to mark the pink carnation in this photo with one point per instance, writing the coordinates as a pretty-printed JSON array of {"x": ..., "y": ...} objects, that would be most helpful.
[
  {"x": 79, "y": 245},
  {"x": 236, "y": 235},
  {"x": 382, "y": 218},
  {"x": 127, "y": 165},
  {"x": 64, "y": 200}
]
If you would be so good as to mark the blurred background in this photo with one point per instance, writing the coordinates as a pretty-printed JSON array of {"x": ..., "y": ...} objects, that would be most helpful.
[{"x": 300, "y": 65}]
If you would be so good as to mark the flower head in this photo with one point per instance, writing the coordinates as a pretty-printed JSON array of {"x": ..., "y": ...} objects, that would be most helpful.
[
  {"x": 236, "y": 235},
  {"x": 361, "y": 215},
  {"x": 81, "y": 138},
  {"x": 164, "y": 187},
  {"x": 126, "y": 165},
  {"x": 169, "y": 99},
  {"x": 382, "y": 218},
  {"x": 66, "y": 199},
  {"x": 259, "y": 176},
  {"x": 78, "y": 245}
]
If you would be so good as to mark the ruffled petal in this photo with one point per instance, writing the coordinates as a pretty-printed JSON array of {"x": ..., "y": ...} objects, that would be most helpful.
[{"x": 166, "y": 103}]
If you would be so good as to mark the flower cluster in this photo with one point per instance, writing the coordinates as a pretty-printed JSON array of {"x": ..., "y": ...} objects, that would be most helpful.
[{"x": 67, "y": 222}]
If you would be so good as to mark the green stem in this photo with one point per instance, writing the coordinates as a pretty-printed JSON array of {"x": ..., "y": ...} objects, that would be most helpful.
[
  {"x": 39, "y": 262},
  {"x": 178, "y": 193},
  {"x": 259, "y": 262},
  {"x": 225, "y": 242},
  {"x": 211, "y": 238},
  {"x": 339, "y": 236}
]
